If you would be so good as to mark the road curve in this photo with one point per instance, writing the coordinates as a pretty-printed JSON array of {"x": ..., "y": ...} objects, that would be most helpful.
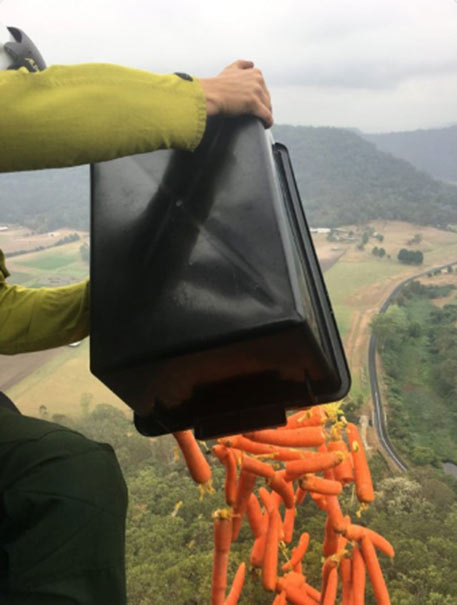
[{"x": 379, "y": 417}]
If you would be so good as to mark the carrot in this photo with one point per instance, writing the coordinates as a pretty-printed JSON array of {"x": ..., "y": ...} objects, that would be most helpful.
[
  {"x": 313, "y": 463},
  {"x": 321, "y": 486},
  {"x": 300, "y": 495},
  {"x": 288, "y": 524},
  {"x": 299, "y": 553},
  {"x": 330, "y": 545},
  {"x": 314, "y": 416},
  {"x": 265, "y": 496},
  {"x": 320, "y": 500},
  {"x": 294, "y": 579},
  {"x": 198, "y": 466},
  {"x": 354, "y": 532},
  {"x": 255, "y": 517},
  {"x": 222, "y": 539},
  {"x": 374, "y": 572},
  {"x": 294, "y": 595},
  {"x": 280, "y": 599},
  {"x": 362, "y": 476},
  {"x": 262, "y": 469},
  {"x": 246, "y": 483},
  {"x": 331, "y": 588},
  {"x": 335, "y": 514},
  {"x": 306, "y": 437},
  {"x": 357, "y": 532},
  {"x": 258, "y": 551},
  {"x": 298, "y": 567},
  {"x": 261, "y": 449},
  {"x": 330, "y": 564},
  {"x": 285, "y": 490},
  {"x": 346, "y": 580},
  {"x": 270, "y": 558},
  {"x": 344, "y": 472},
  {"x": 237, "y": 586},
  {"x": 227, "y": 458},
  {"x": 358, "y": 577},
  {"x": 313, "y": 593}
]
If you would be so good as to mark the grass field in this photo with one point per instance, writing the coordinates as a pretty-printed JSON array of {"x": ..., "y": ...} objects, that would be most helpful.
[{"x": 357, "y": 282}]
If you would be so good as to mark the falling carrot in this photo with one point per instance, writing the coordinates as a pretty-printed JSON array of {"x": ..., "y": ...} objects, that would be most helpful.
[
  {"x": 306, "y": 437},
  {"x": 321, "y": 486},
  {"x": 362, "y": 476},
  {"x": 227, "y": 458},
  {"x": 258, "y": 550},
  {"x": 329, "y": 565},
  {"x": 357, "y": 532},
  {"x": 280, "y": 599},
  {"x": 237, "y": 586},
  {"x": 300, "y": 495},
  {"x": 198, "y": 466},
  {"x": 284, "y": 489},
  {"x": 358, "y": 577},
  {"x": 262, "y": 469},
  {"x": 346, "y": 580},
  {"x": 344, "y": 472},
  {"x": 270, "y": 559},
  {"x": 288, "y": 524},
  {"x": 330, "y": 545},
  {"x": 222, "y": 539},
  {"x": 331, "y": 589},
  {"x": 314, "y": 416},
  {"x": 246, "y": 483},
  {"x": 335, "y": 514},
  {"x": 374, "y": 571},
  {"x": 313, "y": 463},
  {"x": 261, "y": 449},
  {"x": 255, "y": 517},
  {"x": 299, "y": 553}
]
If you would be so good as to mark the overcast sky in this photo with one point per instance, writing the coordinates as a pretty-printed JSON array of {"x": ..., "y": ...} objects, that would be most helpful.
[{"x": 377, "y": 65}]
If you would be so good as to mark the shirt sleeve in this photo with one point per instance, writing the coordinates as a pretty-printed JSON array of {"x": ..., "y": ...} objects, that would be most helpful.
[
  {"x": 33, "y": 319},
  {"x": 78, "y": 114}
]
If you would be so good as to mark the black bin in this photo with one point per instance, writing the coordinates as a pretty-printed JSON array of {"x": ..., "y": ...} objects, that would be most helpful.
[{"x": 208, "y": 306}]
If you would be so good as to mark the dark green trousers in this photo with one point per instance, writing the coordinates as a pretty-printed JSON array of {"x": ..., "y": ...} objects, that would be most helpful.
[{"x": 63, "y": 504}]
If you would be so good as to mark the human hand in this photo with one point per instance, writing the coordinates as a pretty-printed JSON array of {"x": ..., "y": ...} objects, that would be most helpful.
[{"x": 239, "y": 89}]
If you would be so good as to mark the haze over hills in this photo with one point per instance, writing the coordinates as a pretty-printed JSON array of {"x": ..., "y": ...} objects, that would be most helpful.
[
  {"x": 343, "y": 179},
  {"x": 434, "y": 151}
]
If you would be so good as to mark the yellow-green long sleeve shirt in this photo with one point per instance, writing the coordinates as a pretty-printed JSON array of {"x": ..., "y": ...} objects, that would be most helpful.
[{"x": 70, "y": 115}]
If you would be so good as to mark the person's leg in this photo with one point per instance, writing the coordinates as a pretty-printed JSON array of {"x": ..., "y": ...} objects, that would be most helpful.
[{"x": 62, "y": 527}]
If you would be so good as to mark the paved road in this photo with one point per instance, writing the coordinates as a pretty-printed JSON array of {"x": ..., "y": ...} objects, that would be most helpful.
[{"x": 379, "y": 416}]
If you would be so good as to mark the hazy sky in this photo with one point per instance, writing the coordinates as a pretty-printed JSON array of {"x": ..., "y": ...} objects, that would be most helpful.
[{"x": 377, "y": 65}]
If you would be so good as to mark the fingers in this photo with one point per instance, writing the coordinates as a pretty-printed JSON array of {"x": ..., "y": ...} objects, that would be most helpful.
[{"x": 241, "y": 64}]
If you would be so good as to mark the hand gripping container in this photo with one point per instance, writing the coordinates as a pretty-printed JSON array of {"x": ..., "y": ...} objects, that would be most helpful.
[{"x": 208, "y": 307}]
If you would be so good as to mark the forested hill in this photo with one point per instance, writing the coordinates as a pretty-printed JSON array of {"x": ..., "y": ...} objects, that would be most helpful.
[
  {"x": 344, "y": 179},
  {"x": 45, "y": 200},
  {"x": 434, "y": 150}
]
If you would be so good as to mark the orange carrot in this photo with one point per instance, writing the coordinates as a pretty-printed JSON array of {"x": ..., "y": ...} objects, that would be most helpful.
[
  {"x": 294, "y": 595},
  {"x": 344, "y": 472},
  {"x": 227, "y": 458},
  {"x": 354, "y": 532},
  {"x": 313, "y": 593},
  {"x": 246, "y": 483},
  {"x": 358, "y": 577},
  {"x": 298, "y": 567},
  {"x": 198, "y": 466},
  {"x": 346, "y": 580},
  {"x": 265, "y": 496},
  {"x": 335, "y": 514},
  {"x": 331, "y": 588},
  {"x": 237, "y": 586},
  {"x": 374, "y": 572},
  {"x": 222, "y": 541},
  {"x": 307, "y": 437},
  {"x": 255, "y": 517},
  {"x": 330, "y": 564},
  {"x": 270, "y": 558},
  {"x": 288, "y": 524},
  {"x": 357, "y": 532},
  {"x": 300, "y": 495},
  {"x": 321, "y": 486},
  {"x": 284, "y": 489},
  {"x": 258, "y": 551},
  {"x": 280, "y": 599},
  {"x": 261, "y": 449},
  {"x": 330, "y": 545},
  {"x": 362, "y": 476},
  {"x": 262, "y": 469},
  {"x": 320, "y": 500},
  {"x": 314, "y": 416},
  {"x": 299, "y": 553},
  {"x": 313, "y": 463}
]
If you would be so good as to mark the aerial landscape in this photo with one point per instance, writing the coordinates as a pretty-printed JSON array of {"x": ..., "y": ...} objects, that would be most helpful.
[{"x": 380, "y": 227}]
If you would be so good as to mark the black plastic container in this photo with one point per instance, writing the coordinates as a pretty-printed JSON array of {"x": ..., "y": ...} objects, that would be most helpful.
[{"x": 208, "y": 306}]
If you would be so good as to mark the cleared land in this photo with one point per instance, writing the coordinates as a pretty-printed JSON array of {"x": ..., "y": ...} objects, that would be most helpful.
[{"x": 358, "y": 283}]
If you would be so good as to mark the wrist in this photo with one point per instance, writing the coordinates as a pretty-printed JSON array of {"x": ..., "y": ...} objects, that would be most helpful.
[{"x": 211, "y": 97}]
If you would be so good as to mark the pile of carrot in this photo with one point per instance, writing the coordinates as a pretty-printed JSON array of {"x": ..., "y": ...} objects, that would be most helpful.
[{"x": 316, "y": 455}]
